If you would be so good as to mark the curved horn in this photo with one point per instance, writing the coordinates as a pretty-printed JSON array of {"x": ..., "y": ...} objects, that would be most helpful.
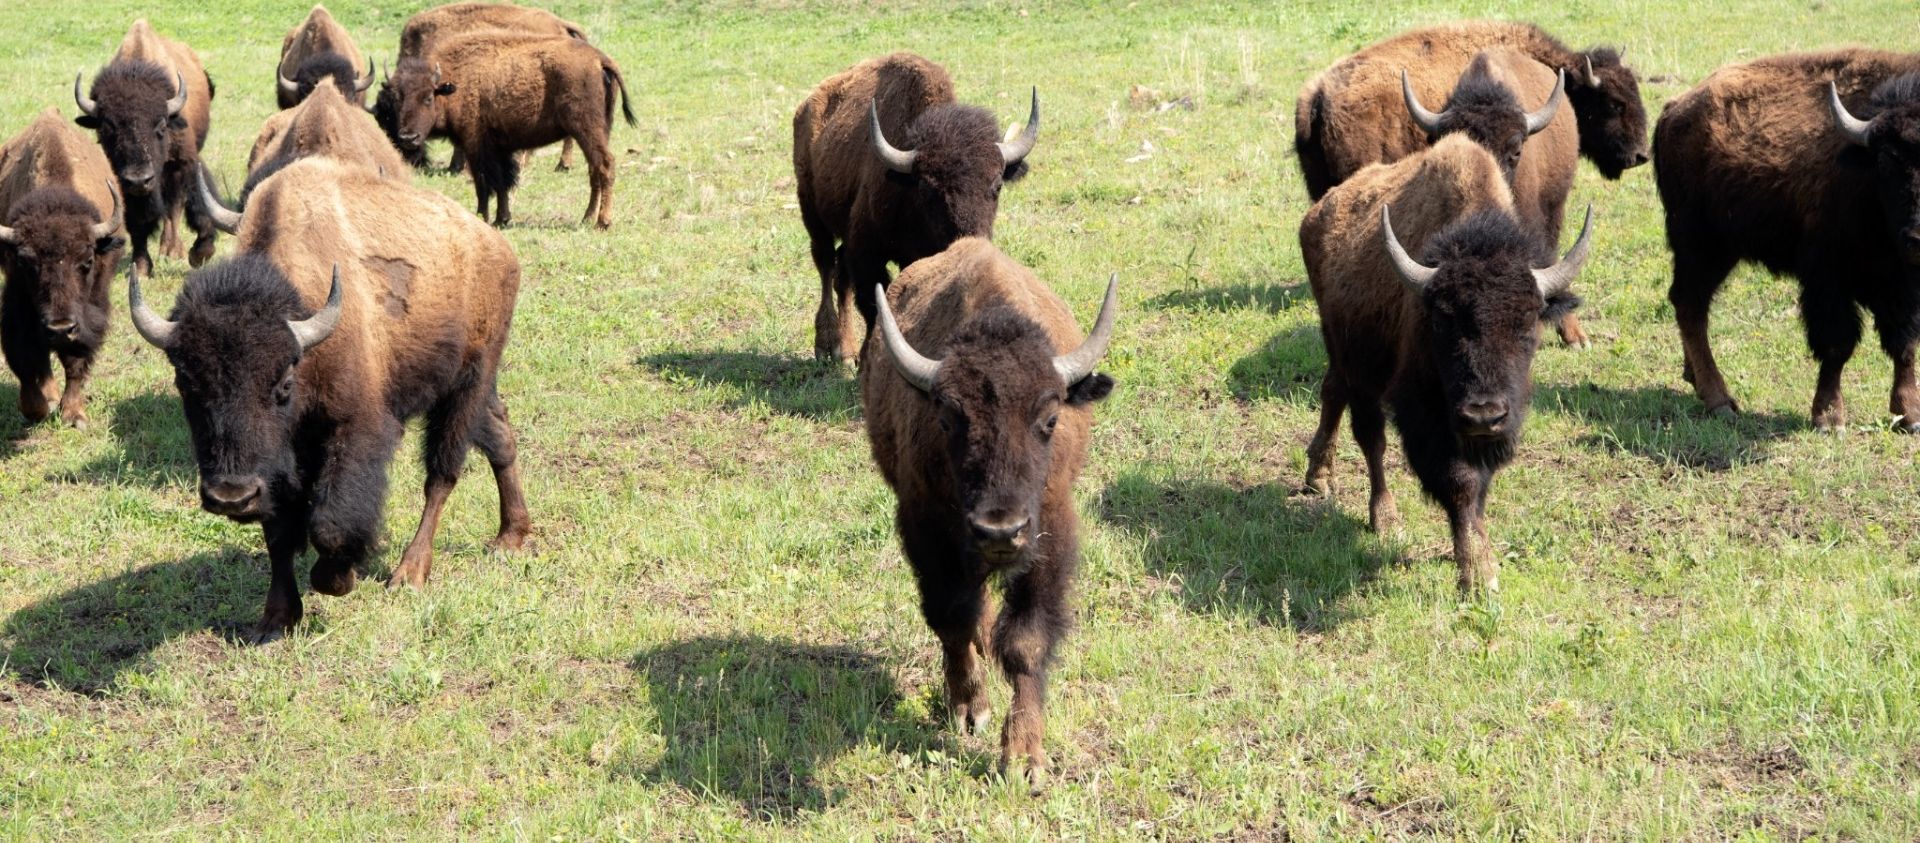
[
  {"x": 1428, "y": 121},
  {"x": 224, "y": 218},
  {"x": 9, "y": 236},
  {"x": 107, "y": 226},
  {"x": 897, "y": 161},
  {"x": 1591, "y": 80},
  {"x": 1557, "y": 278},
  {"x": 1410, "y": 271},
  {"x": 152, "y": 328},
  {"x": 287, "y": 86},
  {"x": 1013, "y": 153},
  {"x": 179, "y": 100},
  {"x": 80, "y": 98},
  {"x": 1854, "y": 128},
  {"x": 1542, "y": 116},
  {"x": 366, "y": 81},
  {"x": 310, "y": 331},
  {"x": 918, "y": 370},
  {"x": 1079, "y": 363}
]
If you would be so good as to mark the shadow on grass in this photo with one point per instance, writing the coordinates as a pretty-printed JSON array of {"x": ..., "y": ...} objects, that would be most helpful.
[
  {"x": 1666, "y": 426},
  {"x": 1271, "y": 298},
  {"x": 1288, "y": 368},
  {"x": 13, "y": 426},
  {"x": 1260, "y": 551},
  {"x": 153, "y": 446},
  {"x": 754, "y": 719},
  {"x": 795, "y": 386},
  {"x": 82, "y": 640}
]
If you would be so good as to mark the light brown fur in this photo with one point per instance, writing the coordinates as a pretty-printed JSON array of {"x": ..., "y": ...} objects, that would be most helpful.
[
  {"x": 327, "y": 124},
  {"x": 319, "y": 33},
  {"x": 51, "y": 151},
  {"x": 425, "y": 28}
]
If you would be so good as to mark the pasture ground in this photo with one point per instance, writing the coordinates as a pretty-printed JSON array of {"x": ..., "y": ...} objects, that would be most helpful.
[{"x": 1708, "y": 630}]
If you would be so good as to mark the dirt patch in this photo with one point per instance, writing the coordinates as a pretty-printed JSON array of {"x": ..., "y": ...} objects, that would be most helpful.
[{"x": 1419, "y": 817}]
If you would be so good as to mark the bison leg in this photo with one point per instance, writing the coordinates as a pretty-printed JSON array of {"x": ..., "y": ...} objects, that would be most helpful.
[
  {"x": 826, "y": 318},
  {"x": 1568, "y": 326},
  {"x": 455, "y": 164},
  {"x": 1896, "y": 316},
  {"x": 1031, "y": 624},
  {"x": 450, "y": 429},
  {"x": 600, "y": 174},
  {"x": 204, "y": 233},
  {"x": 1833, "y": 331},
  {"x": 139, "y": 231},
  {"x": 1333, "y": 402},
  {"x": 863, "y": 273},
  {"x": 496, "y": 438},
  {"x": 566, "y": 156},
  {"x": 174, "y": 202},
  {"x": 954, "y": 605},
  {"x": 73, "y": 401},
  {"x": 1472, "y": 548},
  {"x": 26, "y": 353},
  {"x": 1370, "y": 433},
  {"x": 1695, "y": 280},
  {"x": 286, "y": 535},
  {"x": 352, "y": 492}
]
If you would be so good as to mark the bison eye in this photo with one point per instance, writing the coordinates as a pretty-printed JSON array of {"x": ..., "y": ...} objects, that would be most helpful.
[
  {"x": 86, "y": 267},
  {"x": 283, "y": 394},
  {"x": 1047, "y": 428}
]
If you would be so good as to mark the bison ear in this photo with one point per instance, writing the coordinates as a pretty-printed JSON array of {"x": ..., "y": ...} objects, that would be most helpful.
[
  {"x": 87, "y": 121},
  {"x": 108, "y": 244},
  {"x": 1089, "y": 389},
  {"x": 177, "y": 123},
  {"x": 445, "y": 89},
  {"x": 1015, "y": 171}
]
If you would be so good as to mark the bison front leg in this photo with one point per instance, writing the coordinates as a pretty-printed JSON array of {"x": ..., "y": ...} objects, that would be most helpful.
[
  {"x": 1833, "y": 332},
  {"x": 1695, "y": 279},
  {"x": 203, "y": 230},
  {"x": 450, "y": 429},
  {"x": 21, "y": 341},
  {"x": 1031, "y": 624},
  {"x": 1333, "y": 403},
  {"x": 566, "y": 156},
  {"x": 1479, "y": 569},
  {"x": 286, "y": 535},
  {"x": 953, "y": 602},
  {"x": 73, "y": 401},
  {"x": 1571, "y": 333}
]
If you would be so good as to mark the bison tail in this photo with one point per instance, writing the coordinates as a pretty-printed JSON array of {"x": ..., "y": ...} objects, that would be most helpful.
[
  {"x": 613, "y": 80},
  {"x": 1309, "y": 145}
]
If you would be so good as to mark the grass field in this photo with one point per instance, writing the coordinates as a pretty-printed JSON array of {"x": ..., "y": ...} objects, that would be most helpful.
[{"x": 1708, "y": 628}]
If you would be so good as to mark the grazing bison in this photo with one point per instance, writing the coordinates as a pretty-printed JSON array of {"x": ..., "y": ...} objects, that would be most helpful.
[
  {"x": 981, "y": 443},
  {"x": 59, "y": 242},
  {"x": 498, "y": 93},
  {"x": 295, "y": 407},
  {"x": 149, "y": 109},
  {"x": 417, "y": 38},
  {"x": 1808, "y": 164},
  {"x": 886, "y": 204},
  {"x": 324, "y": 124},
  {"x": 1446, "y": 341},
  {"x": 317, "y": 50}
]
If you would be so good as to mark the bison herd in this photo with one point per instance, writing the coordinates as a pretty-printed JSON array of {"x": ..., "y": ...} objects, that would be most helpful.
[{"x": 1440, "y": 162}]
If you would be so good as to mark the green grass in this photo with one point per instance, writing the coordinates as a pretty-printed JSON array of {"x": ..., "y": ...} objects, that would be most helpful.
[{"x": 1708, "y": 629}]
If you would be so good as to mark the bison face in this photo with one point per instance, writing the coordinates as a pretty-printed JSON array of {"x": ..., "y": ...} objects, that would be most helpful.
[
  {"x": 952, "y": 177},
  {"x": 327, "y": 67},
  {"x": 55, "y": 248},
  {"x": 1892, "y": 138},
  {"x": 1486, "y": 111},
  {"x": 1613, "y": 120},
  {"x": 134, "y": 110},
  {"x": 418, "y": 101}
]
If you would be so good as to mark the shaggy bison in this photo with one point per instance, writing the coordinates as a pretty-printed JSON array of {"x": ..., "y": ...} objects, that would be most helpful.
[
  {"x": 1446, "y": 341},
  {"x": 981, "y": 443},
  {"x": 498, "y": 93},
  {"x": 317, "y": 50},
  {"x": 892, "y": 204},
  {"x": 295, "y": 407},
  {"x": 1808, "y": 164},
  {"x": 323, "y": 124},
  {"x": 59, "y": 243},
  {"x": 149, "y": 109}
]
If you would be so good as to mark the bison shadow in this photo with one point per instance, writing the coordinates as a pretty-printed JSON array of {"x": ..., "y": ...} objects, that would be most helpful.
[
  {"x": 755, "y": 719},
  {"x": 1271, "y": 298},
  {"x": 795, "y": 386},
  {"x": 1666, "y": 426},
  {"x": 83, "y": 640},
  {"x": 1288, "y": 368},
  {"x": 1262, "y": 551},
  {"x": 154, "y": 449},
  {"x": 13, "y": 426}
]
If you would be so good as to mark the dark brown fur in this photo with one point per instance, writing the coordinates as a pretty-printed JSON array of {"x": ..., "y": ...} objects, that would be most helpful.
[
  {"x": 981, "y": 444},
  {"x": 318, "y": 36}
]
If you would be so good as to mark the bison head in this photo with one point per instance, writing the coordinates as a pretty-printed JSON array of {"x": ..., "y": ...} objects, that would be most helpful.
[
  {"x": 1485, "y": 110},
  {"x": 1613, "y": 120},
  {"x": 1892, "y": 137},
  {"x": 53, "y": 245},
  {"x": 1481, "y": 300},
  {"x": 134, "y": 109},
  {"x": 417, "y": 98},
  {"x": 235, "y": 340},
  {"x": 322, "y": 67},
  {"x": 998, "y": 394},
  {"x": 953, "y": 168}
]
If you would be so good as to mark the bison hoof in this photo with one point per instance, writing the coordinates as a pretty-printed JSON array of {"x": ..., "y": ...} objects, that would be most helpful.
[
  {"x": 1902, "y": 424},
  {"x": 76, "y": 418},
  {"x": 1319, "y": 486},
  {"x": 972, "y": 718},
  {"x": 1031, "y": 771},
  {"x": 1728, "y": 411},
  {"x": 202, "y": 252},
  {"x": 512, "y": 541}
]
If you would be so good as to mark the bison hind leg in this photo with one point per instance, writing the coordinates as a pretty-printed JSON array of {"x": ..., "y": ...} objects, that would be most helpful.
[{"x": 494, "y": 435}]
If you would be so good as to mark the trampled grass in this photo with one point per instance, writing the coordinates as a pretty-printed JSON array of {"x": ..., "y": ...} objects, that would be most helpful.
[{"x": 1708, "y": 628}]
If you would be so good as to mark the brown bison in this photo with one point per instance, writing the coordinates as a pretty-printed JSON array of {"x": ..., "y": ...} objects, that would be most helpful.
[
  {"x": 422, "y": 30},
  {"x": 353, "y": 303},
  {"x": 317, "y": 50},
  {"x": 498, "y": 93},
  {"x": 887, "y": 204},
  {"x": 59, "y": 243},
  {"x": 1446, "y": 341},
  {"x": 149, "y": 109},
  {"x": 1808, "y": 164},
  {"x": 324, "y": 124},
  {"x": 981, "y": 442}
]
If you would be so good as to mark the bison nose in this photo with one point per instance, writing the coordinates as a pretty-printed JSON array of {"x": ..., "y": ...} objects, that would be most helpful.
[
  {"x": 1484, "y": 417},
  {"x": 1001, "y": 528},
  {"x": 62, "y": 327},
  {"x": 409, "y": 137},
  {"x": 1639, "y": 158},
  {"x": 232, "y": 497},
  {"x": 138, "y": 181}
]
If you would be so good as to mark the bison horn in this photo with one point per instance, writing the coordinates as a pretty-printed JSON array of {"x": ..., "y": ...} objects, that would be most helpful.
[
  {"x": 288, "y": 86},
  {"x": 107, "y": 226},
  {"x": 1410, "y": 271},
  {"x": 917, "y": 369},
  {"x": 87, "y": 105},
  {"x": 1555, "y": 279},
  {"x": 1079, "y": 362},
  {"x": 152, "y": 328},
  {"x": 1015, "y": 152},
  {"x": 1853, "y": 127},
  {"x": 366, "y": 81},
  {"x": 1539, "y": 119},
  {"x": 224, "y": 218},
  {"x": 179, "y": 100},
  {"x": 897, "y": 160},
  {"x": 1591, "y": 80},
  {"x": 1429, "y": 122},
  {"x": 9, "y": 236},
  {"x": 310, "y": 331}
]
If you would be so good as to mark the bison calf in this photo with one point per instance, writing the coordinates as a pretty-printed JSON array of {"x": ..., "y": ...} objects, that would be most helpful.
[
  {"x": 981, "y": 443},
  {"x": 1446, "y": 341}
]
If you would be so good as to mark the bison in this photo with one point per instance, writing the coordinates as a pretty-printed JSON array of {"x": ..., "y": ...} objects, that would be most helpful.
[
  {"x": 981, "y": 443},
  {"x": 891, "y": 204},
  {"x": 353, "y": 303},
  {"x": 315, "y": 51},
  {"x": 149, "y": 109},
  {"x": 324, "y": 124},
  {"x": 1808, "y": 164},
  {"x": 498, "y": 93},
  {"x": 422, "y": 30},
  {"x": 1445, "y": 341},
  {"x": 59, "y": 243}
]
